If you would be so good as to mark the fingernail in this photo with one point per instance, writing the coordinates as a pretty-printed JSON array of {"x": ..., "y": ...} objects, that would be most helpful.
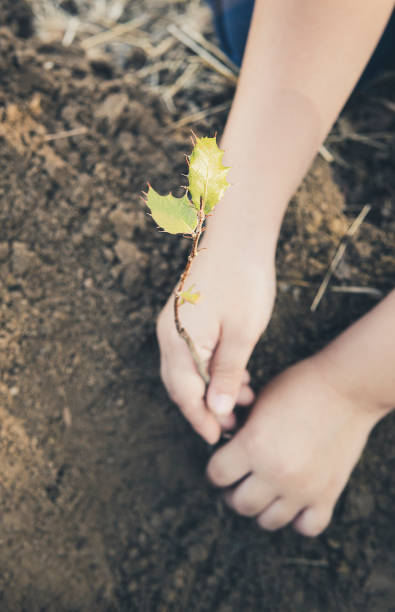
[{"x": 221, "y": 403}]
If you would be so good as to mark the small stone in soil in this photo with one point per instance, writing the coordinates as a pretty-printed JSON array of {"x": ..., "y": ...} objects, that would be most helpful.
[{"x": 4, "y": 250}]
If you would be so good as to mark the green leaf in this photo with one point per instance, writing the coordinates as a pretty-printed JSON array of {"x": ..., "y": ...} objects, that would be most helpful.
[
  {"x": 207, "y": 174},
  {"x": 188, "y": 296},
  {"x": 175, "y": 215}
]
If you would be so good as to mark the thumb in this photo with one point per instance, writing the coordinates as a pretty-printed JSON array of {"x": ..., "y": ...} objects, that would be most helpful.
[{"x": 226, "y": 374}]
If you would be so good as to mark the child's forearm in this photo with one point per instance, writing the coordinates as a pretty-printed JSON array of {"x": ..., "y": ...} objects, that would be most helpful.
[
  {"x": 302, "y": 60},
  {"x": 362, "y": 359}
]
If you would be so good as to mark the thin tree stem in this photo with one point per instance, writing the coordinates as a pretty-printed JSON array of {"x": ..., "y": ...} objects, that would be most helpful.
[{"x": 181, "y": 330}]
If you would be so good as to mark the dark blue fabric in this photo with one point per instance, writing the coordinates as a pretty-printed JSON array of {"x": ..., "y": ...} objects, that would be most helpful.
[{"x": 232, "y": 21}]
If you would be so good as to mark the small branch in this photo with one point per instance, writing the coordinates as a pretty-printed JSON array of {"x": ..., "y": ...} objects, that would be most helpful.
[
  {"x": 374, "y": 292},
  {"x": 181, "y": 330},
  {"x": 338, "y": 255},
  {"x": 210, "y": 47},
  {"x": 65, "y": 134},
  {"x": 203, "y": 53},
  {"x": 118, "y": 30},
  {"x": 326, "y": 154},
  {"x": 199, "y": 115}
]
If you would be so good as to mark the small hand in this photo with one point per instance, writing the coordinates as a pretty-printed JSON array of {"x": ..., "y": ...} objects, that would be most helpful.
[
  {"x": 293, "y": 457},
  {"x": 237, "y": 296}
]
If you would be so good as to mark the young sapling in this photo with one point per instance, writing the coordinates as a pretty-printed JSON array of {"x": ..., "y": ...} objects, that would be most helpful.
[{"x": 186, "y": 215}]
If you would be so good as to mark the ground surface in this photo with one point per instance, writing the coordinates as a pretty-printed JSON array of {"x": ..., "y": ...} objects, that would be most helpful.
[{"x": 104, "y": 504}]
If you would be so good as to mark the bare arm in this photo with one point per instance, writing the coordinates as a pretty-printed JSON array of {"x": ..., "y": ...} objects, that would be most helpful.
[
  {"x": 362, "y": 359},
  {"x": 302, "y": 60}
]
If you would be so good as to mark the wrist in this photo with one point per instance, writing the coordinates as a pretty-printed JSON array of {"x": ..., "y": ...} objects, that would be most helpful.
[
  {"x": 247, "y": 221},
  {"x": 361, "y": 360},
  {"x": 343, "y": 375}
]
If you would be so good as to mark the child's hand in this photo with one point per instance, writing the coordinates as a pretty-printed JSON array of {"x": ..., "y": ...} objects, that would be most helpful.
[
  {"x": 237, "y": 293},
  {"x": 296, "y": 451}
]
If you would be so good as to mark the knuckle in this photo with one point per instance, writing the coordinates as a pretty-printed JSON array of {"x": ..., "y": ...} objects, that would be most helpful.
[
  {"x": 287, "y": 472},
  {"x": 245, "y": 334},
  {"x": 252, "y": 443},
  {"x": 195, "y": 416},
  {"x": 174, "y": 395},
  {"x": 178, "y": 394},
  {"x": 250, "y": 328},
  {"x": 179, "y": 397},
  {"x": 246, "y": 378},
  {"x": 291, "y": 473},
  {"x": 245, "y": 507},
  {"x": 312, "y": 526},
  {"x": 193, "y": 413},
  {"x": 311, "y": 531},
  {"x": 240, "y": 333},
  {"x": 273, "y": 521},
  {"x": 226, "y": 377},
  {"x": 216, "y": 473},
  {"x": 267, "y": 524}
]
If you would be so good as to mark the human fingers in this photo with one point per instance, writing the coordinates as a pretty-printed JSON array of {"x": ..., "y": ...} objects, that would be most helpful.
[
  {"x": 229, "y": 464},
  {"x": 182, "y": 380},
  {"x": 227, "y": 371}
]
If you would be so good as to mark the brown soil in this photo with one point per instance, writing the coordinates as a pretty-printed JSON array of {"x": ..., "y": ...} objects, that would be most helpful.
[{"x": 104, "y": 504}]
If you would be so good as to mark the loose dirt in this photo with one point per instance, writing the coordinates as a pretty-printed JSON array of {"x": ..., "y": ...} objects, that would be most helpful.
[{"x": 104, "y": 504}]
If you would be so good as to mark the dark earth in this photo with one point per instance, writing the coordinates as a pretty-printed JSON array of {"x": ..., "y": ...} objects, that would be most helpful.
[{"x": 104, "y": 504}]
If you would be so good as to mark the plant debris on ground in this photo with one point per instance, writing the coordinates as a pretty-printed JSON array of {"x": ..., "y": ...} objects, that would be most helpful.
[{"x": 104, "y": 504}]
